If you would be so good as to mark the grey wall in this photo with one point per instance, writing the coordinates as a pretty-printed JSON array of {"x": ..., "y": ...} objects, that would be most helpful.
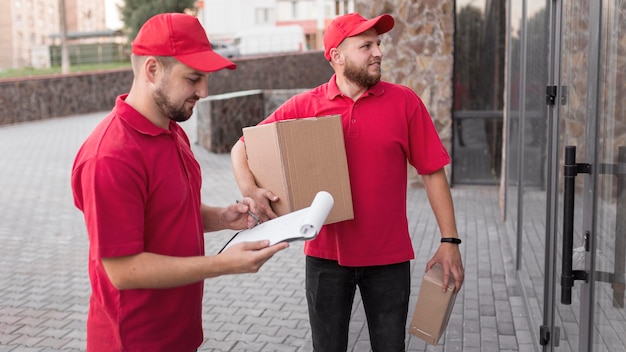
[{"x": 29, "y": 99}]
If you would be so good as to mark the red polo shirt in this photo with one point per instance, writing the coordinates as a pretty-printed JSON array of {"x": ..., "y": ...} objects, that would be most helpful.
[
  {"x": 139, "y": 189},
  {"x": 386, "y": 127}
]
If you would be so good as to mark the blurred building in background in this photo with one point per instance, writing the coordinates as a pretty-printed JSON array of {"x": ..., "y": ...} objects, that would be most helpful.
[
  {"x": 26, "y": 27},
  {"x": 30, "y": 30},
  {"x": 245, "y": 16}
]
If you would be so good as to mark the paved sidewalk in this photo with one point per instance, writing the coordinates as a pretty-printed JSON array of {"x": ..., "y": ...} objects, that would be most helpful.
[{"x": 44, "y": 288}]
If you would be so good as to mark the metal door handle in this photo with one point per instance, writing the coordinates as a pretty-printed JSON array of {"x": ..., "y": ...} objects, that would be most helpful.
[{"x": 570, "y": 170}]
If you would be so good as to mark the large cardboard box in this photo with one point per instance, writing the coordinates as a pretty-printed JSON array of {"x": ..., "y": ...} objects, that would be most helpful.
[
  {"x": 297, "y": 158},
  {"x": 433, "y": 307}
]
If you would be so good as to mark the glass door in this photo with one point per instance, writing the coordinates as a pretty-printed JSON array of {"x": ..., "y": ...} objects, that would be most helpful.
[
  {"x": 607, "y": 245},
  {"x": 584, "y": 287}
]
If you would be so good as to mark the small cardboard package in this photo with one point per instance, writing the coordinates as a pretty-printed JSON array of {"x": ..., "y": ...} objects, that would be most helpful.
[
  {"x": 297, "y": 158},
  {"x": 433, "y": 307}
]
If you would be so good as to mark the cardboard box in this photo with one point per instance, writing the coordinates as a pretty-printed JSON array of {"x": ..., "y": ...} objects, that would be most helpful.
[
  {"x": 297, "y": 158},
  {"x": 433, "y": 307}
]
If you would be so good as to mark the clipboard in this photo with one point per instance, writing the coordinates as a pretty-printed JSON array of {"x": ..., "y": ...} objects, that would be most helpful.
[{"x": 303, "y": 224}]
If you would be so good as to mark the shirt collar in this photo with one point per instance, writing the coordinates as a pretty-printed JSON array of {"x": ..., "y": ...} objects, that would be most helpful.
[
  {"x": 333, "y": 91},
  {"x": 136, "y": 120}
]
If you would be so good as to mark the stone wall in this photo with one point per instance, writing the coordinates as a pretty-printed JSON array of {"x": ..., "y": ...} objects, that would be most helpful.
[
  {"x": 29, "y": 99},
  {"x": 37, "y": 98},
  {"x": 221, "y": 117},
  {"x": 291, "y": 71}
]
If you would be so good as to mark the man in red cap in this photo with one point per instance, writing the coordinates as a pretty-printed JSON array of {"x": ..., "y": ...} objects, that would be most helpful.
[
  {"x": 138, "y": 184},
  {"x": 385, "y": 125}
]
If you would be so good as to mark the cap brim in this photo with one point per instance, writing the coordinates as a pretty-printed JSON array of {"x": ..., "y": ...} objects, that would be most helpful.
[
  {"x": 206, "y": 61},
  {"x": 382, "y": 24}
]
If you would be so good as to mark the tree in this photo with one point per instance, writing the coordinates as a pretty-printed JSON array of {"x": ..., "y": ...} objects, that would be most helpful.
[
  {"x": 136, "y": 12},
  {"x": 65, "y": 56}
]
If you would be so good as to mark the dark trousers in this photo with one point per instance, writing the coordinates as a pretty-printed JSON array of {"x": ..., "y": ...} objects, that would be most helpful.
[{"x": 330, "y": 290}]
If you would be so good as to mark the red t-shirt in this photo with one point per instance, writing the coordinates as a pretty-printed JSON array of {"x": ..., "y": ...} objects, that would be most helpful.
[
  {"x": 139, "y": 189},
  {"x": 386, "y": 127}
]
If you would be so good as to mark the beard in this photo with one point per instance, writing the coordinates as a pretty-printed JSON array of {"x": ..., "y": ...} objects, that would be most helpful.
[
  {"x": 360, "y": 74},
  {"x": 175, "y": 113}
]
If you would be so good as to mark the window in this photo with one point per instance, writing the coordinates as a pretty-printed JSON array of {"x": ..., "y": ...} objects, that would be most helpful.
[{"x": 264, "y": 16}]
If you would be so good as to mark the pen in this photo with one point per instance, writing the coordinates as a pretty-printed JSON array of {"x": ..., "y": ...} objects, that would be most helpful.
[{"x": 256, "y": 218}]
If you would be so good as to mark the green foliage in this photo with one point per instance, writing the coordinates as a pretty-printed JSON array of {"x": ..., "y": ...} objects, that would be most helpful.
[
  {"x": 136, "y": 12},
  {"x": 54, "y": 70},
  {"x": 89, "y": 53}
]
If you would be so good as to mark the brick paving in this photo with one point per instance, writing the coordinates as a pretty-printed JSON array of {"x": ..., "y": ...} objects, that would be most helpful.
[{"x": 44, "y": 288}]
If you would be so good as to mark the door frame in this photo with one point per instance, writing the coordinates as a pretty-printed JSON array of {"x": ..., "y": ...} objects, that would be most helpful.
[{"x": 549, "y": 333}]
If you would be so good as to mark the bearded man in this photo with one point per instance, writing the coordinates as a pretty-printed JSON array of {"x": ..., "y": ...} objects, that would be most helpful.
[
  {"x": 384, "y": 125},
  {"x": 138, "y": 184}
]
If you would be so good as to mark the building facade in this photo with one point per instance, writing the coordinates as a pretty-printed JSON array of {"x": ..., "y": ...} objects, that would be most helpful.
[
  {"x": 312, "y": 15},
  {"x": 26, "y": 26}
]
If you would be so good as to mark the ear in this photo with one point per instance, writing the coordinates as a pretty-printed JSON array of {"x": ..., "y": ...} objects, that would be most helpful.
[
  {"x": 336, "y": 56},
  {"x": 152, "y": 68}
]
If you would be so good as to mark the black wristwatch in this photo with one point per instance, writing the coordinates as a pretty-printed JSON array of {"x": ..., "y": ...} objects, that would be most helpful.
[{"x": 451, "y": 240}]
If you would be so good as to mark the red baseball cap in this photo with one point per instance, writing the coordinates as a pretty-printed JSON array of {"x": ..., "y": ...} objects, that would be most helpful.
[
  {"x": 180, "y": 36},
  {"x": 350, "y": 25}
]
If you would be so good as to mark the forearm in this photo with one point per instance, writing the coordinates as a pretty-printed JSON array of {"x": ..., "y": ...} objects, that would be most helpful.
[
  {"x": 448, "y": 254},
  {"x": 243, "y": 176},
  {"x": 212, "y": 218},
  {"x": 441, "y": 202},
  {"x": 153, "y": 271}
]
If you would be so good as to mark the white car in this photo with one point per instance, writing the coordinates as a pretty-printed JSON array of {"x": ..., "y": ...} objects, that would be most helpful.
[
  {"x": 227, "y": 50},
  {"x": 271, "y": 40}
]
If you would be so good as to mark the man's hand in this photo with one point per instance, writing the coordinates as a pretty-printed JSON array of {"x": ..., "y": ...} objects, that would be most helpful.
[
  {"x": 248, "y": 257},
  {"x": 240, "y": 215},
  {"x": 237, "y": 216},
  {"x": 449, "y": 256},
  {"x": 263, "y": 199}
]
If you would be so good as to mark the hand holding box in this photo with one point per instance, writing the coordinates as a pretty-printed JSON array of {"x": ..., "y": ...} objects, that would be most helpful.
[{"x": 433, "y": 307}]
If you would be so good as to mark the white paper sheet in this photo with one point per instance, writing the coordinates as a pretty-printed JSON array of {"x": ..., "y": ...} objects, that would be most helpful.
[{"x": 303, "y": 224}]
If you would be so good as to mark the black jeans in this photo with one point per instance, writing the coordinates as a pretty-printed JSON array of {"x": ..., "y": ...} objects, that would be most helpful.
[{"x": 330, "y": 290}]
